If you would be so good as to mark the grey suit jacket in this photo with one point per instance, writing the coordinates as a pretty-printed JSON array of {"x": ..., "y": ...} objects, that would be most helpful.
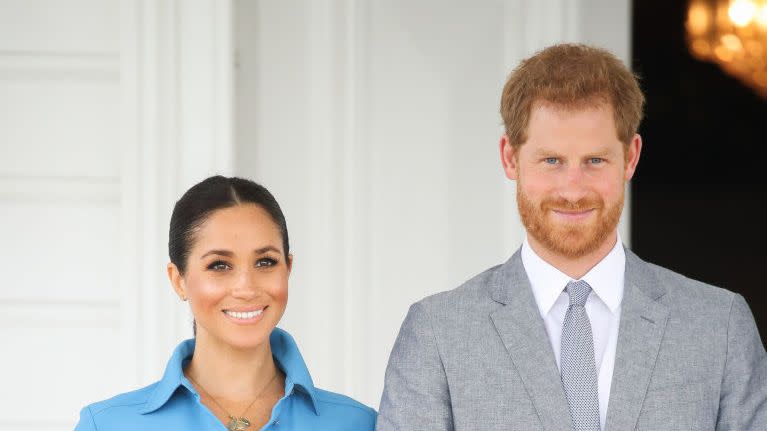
[{"x": 689, "y": 357}]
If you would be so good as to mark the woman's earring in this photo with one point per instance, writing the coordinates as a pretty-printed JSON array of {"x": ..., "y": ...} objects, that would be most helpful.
[{"x": 183, "y": 298}]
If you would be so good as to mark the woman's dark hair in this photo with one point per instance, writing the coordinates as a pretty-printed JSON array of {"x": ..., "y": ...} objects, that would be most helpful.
[{"x": 212, "y": 194}]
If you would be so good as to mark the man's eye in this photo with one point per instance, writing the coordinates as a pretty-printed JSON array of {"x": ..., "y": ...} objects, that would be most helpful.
[
  {"x": 219, "y": 266},
  {"x": 551, "y": 160},
  {"x": 266, "y": 262},
  {"x": 596, "y": 160}
]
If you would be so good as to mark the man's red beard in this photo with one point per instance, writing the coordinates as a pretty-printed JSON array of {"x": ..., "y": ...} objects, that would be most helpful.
[{"x": 569, "y": 239}]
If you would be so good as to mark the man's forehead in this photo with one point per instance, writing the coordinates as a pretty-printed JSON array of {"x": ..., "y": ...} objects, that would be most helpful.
[
  {"x": 596, "y": 120},
  {"x": 555, "y": 149}
]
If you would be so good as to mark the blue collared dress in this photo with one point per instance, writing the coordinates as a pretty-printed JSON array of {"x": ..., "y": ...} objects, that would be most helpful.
[{"x": 174, "y": 404}]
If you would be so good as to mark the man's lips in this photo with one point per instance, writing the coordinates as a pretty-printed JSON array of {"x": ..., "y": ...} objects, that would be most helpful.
[{"x": 573, "y": 215}]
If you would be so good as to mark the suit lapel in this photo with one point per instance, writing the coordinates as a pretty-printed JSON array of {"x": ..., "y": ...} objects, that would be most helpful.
[
  {"x": 521, "y": 329},
  {"x": 642, "y": 323}
]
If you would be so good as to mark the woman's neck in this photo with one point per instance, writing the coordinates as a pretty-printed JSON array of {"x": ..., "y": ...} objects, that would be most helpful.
[{"x": 229, "y": 373}]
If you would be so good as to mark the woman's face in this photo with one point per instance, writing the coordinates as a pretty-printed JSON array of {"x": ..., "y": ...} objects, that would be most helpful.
[{"x": 236, "y": 277}]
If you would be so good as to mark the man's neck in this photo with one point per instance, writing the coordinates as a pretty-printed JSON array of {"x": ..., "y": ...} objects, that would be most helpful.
[{"x": 574, "y": 268}]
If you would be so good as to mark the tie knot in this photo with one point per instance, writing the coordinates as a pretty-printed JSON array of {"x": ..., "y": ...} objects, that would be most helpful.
[{"x": 578, "y": 292}]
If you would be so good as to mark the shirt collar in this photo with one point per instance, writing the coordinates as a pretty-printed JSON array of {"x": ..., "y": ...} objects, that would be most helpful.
[
  {"x": 288, "y": 357},
  {"x": 547, "y": 282},
  {"x": 284, "y": 350}
]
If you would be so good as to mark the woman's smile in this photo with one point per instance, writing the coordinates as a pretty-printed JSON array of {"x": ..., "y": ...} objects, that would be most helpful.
[{"x": 247, "y": 315}]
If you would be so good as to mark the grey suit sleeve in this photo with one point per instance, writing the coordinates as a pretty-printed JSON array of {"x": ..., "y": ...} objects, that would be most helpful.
[
  {"x": 743, "y": 400},
  {"x": 416, "y": 394}
]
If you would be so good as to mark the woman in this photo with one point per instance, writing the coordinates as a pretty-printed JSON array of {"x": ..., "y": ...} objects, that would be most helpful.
[{"x": 229, "y": 258}]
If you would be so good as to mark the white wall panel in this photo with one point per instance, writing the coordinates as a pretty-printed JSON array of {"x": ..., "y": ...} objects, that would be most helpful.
[
  {"x": 59, "y": 127},
  {"x": 434, "y": 83},
  {"x": 59, "y": 251},
  {"x": 51, "y": 358},
  {"x": 71, "y": 26}
]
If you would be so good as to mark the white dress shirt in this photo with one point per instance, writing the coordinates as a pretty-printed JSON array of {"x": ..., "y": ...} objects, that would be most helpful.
[{"x": 603, "y": 307}]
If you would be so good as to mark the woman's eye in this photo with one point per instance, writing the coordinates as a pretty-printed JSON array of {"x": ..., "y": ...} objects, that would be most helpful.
[
  {"x": 219, "y": 266},
  {"x": 266, "y": 262}
]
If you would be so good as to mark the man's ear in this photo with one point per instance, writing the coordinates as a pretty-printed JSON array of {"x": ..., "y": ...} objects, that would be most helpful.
[
  {"x": 509, "y": 158},
  {"x": 633, "y": 152},
  {"x": 177, "y": 281}
]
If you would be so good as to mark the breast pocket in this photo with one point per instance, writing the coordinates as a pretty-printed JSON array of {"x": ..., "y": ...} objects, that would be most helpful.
[{"x": 686, "y": 407}]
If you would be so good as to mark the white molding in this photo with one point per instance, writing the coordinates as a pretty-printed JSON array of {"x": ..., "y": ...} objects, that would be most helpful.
[
  {"x": 176, "y": 112},
  {"x": 205, "y": 55},
  {"x": 129, "y": 243},
  {"x": 92, "y": 190},
  {"x": 326, "y": 121},
  {"x": 93, "y": 68},
  {"x": 19, "y": 313},
  {"x": 356, "y": 209},
  {"x": 337, "y": 192}
]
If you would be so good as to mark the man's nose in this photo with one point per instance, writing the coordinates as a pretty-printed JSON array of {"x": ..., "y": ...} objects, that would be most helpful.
[{"x": 574, "y": 185}]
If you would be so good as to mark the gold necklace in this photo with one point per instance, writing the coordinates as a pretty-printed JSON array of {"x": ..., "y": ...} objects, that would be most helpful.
[{"x": 236, "y": 423}]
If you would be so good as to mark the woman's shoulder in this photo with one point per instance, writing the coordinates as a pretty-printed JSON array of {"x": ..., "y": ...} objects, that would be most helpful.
[
  {"x": 343, "y": 407},
  {"x": 116, "y": 409}
]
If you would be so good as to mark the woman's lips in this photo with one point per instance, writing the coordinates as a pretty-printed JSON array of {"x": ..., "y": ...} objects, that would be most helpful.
[{"x": 244, "y": 316}]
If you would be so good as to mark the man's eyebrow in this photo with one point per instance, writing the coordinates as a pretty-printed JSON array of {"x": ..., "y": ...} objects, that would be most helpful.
[
  {"x": 549, "y": 152},
  {"x": 545, "y": 152},
  {"x": 600, "y": 152}
]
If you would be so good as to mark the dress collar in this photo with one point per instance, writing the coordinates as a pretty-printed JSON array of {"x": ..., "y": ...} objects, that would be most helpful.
[
  {"x": 284, "y": 350},
  {"x": 547, "y": 282}
]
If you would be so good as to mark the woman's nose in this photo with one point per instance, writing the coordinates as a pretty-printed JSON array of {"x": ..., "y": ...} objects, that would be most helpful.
[{"x": 245, "y": 285}]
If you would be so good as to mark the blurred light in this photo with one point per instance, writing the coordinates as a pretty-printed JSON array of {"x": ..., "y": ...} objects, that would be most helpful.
[
  {"x": 698, "y": 19},
  {"x": 741, "y": 12},
  {"x": 732, "y": 33},
  {"x": 731, "y": 42},
  {"x": 701, "y": 48},
  {"x": 761, "y": 17}
]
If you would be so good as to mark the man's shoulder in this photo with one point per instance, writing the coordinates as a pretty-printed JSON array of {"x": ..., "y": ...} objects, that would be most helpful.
[
  {"x": 474, "y": 293},
  {"x": 685, "y": 286},
  {"x": 688, "y": 292}
]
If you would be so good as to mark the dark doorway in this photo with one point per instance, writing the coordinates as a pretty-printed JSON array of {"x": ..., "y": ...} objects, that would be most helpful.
[{"x": 699, "y": 199}]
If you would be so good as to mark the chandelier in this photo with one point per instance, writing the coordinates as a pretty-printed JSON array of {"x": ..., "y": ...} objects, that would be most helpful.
[{"x": 733, "y": 34}]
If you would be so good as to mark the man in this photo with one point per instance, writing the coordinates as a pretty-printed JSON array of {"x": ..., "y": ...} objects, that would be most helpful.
[{"x": 574, "y": 331}]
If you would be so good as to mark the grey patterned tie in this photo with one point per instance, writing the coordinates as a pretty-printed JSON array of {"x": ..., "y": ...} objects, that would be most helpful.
[{"x": 579, "y": 372}]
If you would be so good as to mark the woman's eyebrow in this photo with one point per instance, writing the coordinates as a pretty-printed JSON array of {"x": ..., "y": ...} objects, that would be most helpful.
[
  {"x": 226, "y": 253},
  {"x": 263, "y": 250}
]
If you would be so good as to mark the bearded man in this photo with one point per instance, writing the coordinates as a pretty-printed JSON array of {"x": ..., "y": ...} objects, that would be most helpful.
[{"x": 574, "y": 331}]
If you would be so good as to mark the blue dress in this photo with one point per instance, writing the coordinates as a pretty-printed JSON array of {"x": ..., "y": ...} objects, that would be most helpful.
[{"x": 174, "y": 404}]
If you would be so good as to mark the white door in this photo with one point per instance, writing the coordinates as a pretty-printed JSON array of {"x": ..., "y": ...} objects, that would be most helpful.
[{"x": 94, "y": 149}]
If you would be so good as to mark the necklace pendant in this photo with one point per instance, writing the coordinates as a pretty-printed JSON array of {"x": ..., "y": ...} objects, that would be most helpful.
[{"x": 238, "y": 424}]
